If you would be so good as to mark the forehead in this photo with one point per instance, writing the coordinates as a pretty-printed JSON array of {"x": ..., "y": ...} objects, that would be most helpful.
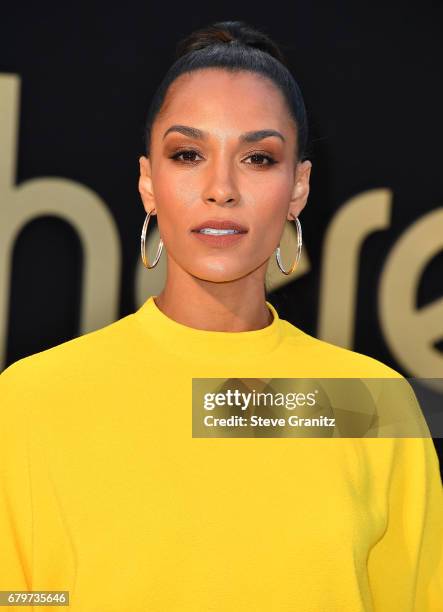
[{"x": 240, "y": 100}]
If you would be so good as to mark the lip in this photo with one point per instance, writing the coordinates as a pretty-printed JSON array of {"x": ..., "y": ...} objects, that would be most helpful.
[
  {"x": 220, "y": 241},
  {"x": 221, "y": 224}
]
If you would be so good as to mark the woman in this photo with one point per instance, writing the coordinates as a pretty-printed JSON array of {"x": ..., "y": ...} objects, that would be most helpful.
[{"x": 106, "y": 490}]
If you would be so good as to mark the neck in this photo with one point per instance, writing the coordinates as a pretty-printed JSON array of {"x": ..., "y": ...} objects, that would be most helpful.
[{"x": 233, "y": 306}]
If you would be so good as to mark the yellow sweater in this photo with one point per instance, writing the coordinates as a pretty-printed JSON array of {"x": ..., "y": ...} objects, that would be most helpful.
[{"x": 105, "y": 493}]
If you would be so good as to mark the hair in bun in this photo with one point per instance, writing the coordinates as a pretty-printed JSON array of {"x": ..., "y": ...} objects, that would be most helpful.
[
  {"x": 234, "y": 46},
  {"x": 226, "y": 32}
]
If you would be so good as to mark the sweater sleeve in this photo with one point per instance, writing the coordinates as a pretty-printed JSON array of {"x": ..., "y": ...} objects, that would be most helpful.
[
  {"x": 406, "y": 565},
  {"x": 36, "y": 553},
  {"x": 15, "y": 488}
]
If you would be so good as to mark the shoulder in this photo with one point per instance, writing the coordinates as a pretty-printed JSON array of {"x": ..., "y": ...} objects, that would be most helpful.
[
  {"x": 81, "y": 355},
  {"x": 330, "y": 359},
  {"x": 394, "y": 404}
]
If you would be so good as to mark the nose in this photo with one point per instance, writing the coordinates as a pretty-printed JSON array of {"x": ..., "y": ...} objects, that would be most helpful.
[{"x": 221, "y": 187}]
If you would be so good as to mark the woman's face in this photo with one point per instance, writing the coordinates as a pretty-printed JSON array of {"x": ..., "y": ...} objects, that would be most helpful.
[{"x": 214, "y": 172}]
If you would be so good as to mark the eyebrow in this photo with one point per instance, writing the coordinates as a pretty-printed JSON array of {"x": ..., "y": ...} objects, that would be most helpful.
[{"x": 201, "y": 135}]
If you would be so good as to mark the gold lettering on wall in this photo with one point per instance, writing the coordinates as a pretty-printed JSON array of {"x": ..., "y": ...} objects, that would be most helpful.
[
  {"x": 72, "y": 202},
  {"x": 411, "y": 332},
  {"x": 356, "y": 219}
]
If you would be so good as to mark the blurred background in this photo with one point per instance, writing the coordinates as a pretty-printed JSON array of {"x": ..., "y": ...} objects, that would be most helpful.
[{"x": 75, "y": 85}]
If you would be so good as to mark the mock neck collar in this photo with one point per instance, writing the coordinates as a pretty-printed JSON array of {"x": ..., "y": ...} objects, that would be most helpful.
[{"x": 184, "y": 340}]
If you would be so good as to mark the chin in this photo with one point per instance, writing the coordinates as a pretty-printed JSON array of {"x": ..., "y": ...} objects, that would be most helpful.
[{"x": 218, "y": 273}]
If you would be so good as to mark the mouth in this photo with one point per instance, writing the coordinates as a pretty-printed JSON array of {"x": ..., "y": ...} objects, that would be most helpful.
[
  {"x": 219, "y": 232},
  {"x": 210, "y": 231},
  {"x": 220, "y": 227}
]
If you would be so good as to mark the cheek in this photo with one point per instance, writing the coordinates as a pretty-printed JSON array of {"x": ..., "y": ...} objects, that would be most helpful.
[
  {"x": 174, "y": 198},
  {"x": 271, "y": 205},
  {"x": 271, "y": 190},
  {"x": 170, "y": 188}
]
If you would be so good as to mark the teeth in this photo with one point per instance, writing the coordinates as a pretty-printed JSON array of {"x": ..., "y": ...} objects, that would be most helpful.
[{"x": 211, "y": 230}]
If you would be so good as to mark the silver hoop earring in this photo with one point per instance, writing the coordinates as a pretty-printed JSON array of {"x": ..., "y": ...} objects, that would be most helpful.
[
  {"x": 297, "y": 257},
  {"x": 143, "y": 245}
]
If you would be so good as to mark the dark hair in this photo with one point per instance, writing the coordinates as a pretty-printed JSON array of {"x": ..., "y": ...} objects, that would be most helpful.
[{"x": 234, "y": 46}]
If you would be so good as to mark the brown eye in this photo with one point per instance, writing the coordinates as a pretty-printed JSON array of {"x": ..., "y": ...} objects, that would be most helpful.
[
  {"x": 260, "y": 156},
  {"x": 188, "y": 156}
]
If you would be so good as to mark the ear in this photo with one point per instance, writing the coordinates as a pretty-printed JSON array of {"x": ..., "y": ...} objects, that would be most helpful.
[
  {"x": 300, "y": 191},
  {"x": 145, "y": 185}
]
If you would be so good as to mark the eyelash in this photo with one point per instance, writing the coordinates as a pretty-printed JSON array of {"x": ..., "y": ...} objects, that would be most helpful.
[{"x": 271, "y": 160}]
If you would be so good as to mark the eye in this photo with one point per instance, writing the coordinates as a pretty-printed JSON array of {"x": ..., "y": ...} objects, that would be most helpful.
[
  {"x": 189, "y": 158},
  {"x": 258, "y": 156},
  {"x": 187, "y": 153}
]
